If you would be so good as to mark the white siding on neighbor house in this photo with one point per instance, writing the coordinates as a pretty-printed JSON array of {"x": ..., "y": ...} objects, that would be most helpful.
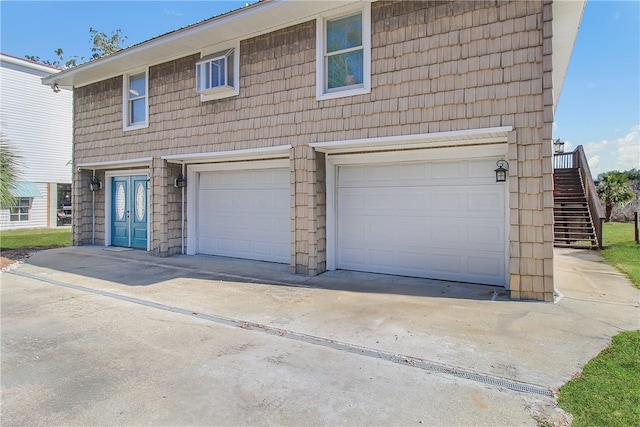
[
  {"x": 36, "y": 121},
  {"x": 38, "y": 214}
]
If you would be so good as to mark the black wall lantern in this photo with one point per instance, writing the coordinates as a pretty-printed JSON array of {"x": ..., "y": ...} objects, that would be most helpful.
[
  {"x": 180, "y": 181},
  {"x": 95, "y": 184},
  {"x": 503, "y": 170},
  {"x": 558, "y": 144}
]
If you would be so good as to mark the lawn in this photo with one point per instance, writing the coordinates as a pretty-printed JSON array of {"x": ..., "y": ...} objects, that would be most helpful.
[
  {"x": 35, "y": 238},
  {"x": 621, "y": 251},
  {"x": 607, "y": 392}
]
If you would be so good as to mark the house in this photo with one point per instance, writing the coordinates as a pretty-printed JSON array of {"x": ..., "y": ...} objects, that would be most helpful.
[
  {"x": 36, "y": 124},
  {"x": 328, "y": 135}
]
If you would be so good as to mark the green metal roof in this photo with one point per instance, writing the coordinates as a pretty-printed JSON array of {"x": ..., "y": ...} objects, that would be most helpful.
[{"x": 25, "y": 189}]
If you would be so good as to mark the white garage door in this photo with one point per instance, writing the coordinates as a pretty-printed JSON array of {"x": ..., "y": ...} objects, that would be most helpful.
[
  {"x": 245, "y": 214},
  {"x": 441, "y": 220}
]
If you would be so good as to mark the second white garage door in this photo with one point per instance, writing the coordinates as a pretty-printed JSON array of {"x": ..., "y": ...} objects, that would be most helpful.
[
  {"x": 245, "y": 214},
  {"x": 441, "y": 220}
]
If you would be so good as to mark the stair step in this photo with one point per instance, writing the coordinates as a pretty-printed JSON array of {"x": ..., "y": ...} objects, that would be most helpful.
[
  {"x": 575, "y": 246},
  {"x": 565, "y": 237},
  {"x": 572, "y": 220},
  {"x": 579, "y": 228}
]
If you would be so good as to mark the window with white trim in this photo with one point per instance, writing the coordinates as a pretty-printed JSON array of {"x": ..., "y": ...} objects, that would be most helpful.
[
  {"x": 136, "y": 105},
  {"x": 217, "y": 74},
  {"x": 344, "y": 54},
  {"x": 20, "y": 212}
]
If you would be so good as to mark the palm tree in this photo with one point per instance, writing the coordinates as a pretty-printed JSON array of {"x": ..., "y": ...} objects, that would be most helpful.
[
  {"x": 613, "y": 189},
  {"x": 9, "y": 170}
]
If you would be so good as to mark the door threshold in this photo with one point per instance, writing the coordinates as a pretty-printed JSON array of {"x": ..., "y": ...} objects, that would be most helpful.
[{"x": 117, "y": 249}]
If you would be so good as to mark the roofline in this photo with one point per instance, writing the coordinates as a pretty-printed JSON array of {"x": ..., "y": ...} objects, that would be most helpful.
[
  {"x": 306, "y": 11},
  {"x": 273, "y": 15},
  {"x": 29, "y": 64},
  {"x": 132, "y": 50}
]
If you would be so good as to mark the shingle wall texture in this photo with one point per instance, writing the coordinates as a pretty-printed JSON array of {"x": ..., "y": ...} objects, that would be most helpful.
[{"x": 436, "y": 66}]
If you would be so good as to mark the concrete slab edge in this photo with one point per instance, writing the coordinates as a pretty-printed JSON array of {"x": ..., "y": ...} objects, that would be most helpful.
[{"x": 416, "y": 362}]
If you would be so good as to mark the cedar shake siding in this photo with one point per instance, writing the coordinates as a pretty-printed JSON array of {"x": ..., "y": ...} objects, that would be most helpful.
[{"x": 435, "y": 67}]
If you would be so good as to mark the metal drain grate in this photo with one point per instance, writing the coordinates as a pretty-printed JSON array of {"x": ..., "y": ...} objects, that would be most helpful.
[{"x": 310, "y": 339}]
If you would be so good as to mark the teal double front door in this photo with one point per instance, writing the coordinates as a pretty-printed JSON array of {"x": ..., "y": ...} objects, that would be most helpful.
[{"x": 129, "y": 211}]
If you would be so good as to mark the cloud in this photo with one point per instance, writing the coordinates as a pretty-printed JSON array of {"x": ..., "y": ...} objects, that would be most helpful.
[
  {"x": 591, "y": 84},
  {"x": 173, "y": 12},
  {"x": 618, "y": 154}
]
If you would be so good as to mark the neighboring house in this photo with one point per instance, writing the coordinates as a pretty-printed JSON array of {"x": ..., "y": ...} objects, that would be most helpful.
[
  {"x": 333, "y": 135},
  {"x": 37, "y": 124}
]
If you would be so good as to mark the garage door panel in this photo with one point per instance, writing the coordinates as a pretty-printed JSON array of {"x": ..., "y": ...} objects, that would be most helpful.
[
  {"x": 447, "y": 170},
  {"x": 451, "y": 200},
  {"x": 447, "y": 264},
  {"x": 481, "y": 236},
  {"x": 245, "y": 214},
  {"x": 443, "y": 220},
  {"x": 486, "y": 202},
  {"x": 484, "y": 266}
]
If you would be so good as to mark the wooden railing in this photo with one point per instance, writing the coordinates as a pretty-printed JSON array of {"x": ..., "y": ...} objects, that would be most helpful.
[
  {"x": 563, "y": 161},
  {"x": 578, "y": 160}
]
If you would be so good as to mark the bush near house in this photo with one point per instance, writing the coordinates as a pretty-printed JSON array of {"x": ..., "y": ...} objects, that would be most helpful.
[{"x": 607, "y": 392}]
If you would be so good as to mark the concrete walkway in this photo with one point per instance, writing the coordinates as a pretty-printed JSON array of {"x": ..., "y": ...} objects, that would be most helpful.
[{"x": 98, "y": 336}]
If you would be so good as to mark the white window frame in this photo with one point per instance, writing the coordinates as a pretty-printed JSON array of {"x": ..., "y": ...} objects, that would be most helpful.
[
  {"x": 321, "y": 72},
  {"x": 126, "y": 105},
  {"x": 212, "y": 53},
  {"x": 15, "y": 211}
]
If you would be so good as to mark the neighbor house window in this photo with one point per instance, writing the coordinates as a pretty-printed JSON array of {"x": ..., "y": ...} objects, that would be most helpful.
[
  {"x": 344, "y": 54},
  {"x": 20, "y": 212},
  {"x": 217, "y": 74},
  {"x": 136, "y": 107}
]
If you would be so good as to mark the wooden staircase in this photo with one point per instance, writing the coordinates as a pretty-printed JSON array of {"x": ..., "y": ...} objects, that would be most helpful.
[{"x": 573, "y": 226}]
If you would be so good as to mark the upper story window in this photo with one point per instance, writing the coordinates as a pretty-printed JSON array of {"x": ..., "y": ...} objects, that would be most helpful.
[
  {"x": 136, "y": 107},
  {"x": 344, "y": 54},
  {"x": 217, "y": 74}
]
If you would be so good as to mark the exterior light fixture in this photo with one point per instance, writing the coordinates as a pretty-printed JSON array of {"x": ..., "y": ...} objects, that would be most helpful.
[
  {"x": 503, "y": 170},
  {"x": 558, "y": 144},
  {"x": 180, "y": 181},
  {"x": 95, "y": 184}
]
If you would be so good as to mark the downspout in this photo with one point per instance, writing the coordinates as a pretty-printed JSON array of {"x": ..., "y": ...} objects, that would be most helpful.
[
  {"x": 93, "y": 214},
  {"x": 182, "y": 214}
]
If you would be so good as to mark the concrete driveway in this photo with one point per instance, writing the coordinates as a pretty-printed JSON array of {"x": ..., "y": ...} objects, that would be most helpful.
[{"x": 114, "y": 337}]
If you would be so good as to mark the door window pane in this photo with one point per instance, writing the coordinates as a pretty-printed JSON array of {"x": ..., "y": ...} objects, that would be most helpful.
[
  {"x": 120, "y": 202},
  {"x": 141, "y": 202}
]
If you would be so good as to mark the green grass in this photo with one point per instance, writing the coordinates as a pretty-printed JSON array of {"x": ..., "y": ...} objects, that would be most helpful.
[
  {"x": 35, "y": 238},
  {"x": 620, "y": 249},
  {"x": 608, "y": 391}
]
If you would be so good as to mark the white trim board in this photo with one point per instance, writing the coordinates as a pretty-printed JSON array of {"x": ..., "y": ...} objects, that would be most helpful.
[
  {"x": 232, "y": 155},
  {"x": 424, "y": 140},
  {"x": 115, "y": 164}
]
